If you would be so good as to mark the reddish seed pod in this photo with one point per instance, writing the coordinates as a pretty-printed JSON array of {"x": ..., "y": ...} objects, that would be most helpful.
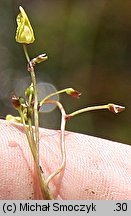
[
  {"x": 116, "y": 108},
  {"x": 74, "y": 93},
  {"x": 15, "y": 101}
]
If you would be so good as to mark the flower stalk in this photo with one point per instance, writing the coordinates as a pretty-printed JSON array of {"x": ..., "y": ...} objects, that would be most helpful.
[
  {"x": 36, "y": 120},
  {"x": 111, "y": 107},
  {"x": 69, "y": 91},
  {"x": 62, "y": 139}
]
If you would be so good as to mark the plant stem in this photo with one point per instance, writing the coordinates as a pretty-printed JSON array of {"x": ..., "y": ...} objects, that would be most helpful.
[
  {"x": 31, "y": 130},
  {"x": 30, "y": 99},
  {"x": 26, "y": 53},
  {"x": 32, "y": 147},
  {"x": 63, "y": 123},
  {"x": 43, "y": 185},
  {"x": 52, "y": 94},
  {"x": 87, "y": 109},
  {"x": 46, "y": 193},
  {"x": 36, "y": 119}
]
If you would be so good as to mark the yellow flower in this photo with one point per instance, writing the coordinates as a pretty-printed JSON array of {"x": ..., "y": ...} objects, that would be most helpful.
[{"x": 24, "y": 32}]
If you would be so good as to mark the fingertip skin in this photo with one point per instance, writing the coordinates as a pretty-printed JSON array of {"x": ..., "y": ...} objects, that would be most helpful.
[
  {"x": 96, "y": 169},
  {"x": 16, "y": 163}
]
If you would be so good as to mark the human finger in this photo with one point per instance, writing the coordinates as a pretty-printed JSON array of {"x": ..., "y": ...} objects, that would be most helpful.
[{"x": 95, "y": 168}]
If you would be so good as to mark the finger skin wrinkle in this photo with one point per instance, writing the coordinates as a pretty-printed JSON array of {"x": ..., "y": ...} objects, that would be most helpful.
[{"x": 96, "y": 169}]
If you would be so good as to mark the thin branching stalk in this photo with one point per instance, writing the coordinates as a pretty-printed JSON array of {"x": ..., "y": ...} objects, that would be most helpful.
[
  {"x": 52, "y": 94},
  {"x": 45, "y": 190},
  {"x": 36, "y": 119},
  {"x": 87, "y": 109},
  {"x": 63, "y": 123},
  {"x": 32, "y": 147},
  {"x": 31, "y": 131},
  {"x": 46, "y": 193},
  {"x": 26, "y": 53},
  {"x": 111, "y": 107}
]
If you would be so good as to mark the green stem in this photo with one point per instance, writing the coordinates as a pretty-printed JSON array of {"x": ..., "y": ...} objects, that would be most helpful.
[
  {"x": 52, "y": 94},
  {"x": 32, "y": 147},
  {"x": 30, "y": 99},
  {"x": 31, "y": 130},
  {"x": 36, "y": 119},
  {"x": 63, "y": 123},
  {"x": 87, "y": 109},
  {"x": 46, "y": 193},
  {"x": 26, "y": 53}
]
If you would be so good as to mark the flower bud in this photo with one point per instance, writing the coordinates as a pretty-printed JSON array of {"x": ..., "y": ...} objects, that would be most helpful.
[
  {"x": 115, "y": 108},
  {"x": 15, "y": 101},
  {"x": 40, "y": 58},
  {"x": 73, "y": 93},
  {"x": 29, "y": 91},
  {"x": 24, "y": 32}
]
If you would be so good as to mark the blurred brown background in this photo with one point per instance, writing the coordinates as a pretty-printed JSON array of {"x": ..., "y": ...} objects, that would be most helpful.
[{"x": 89, "y": 49}]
